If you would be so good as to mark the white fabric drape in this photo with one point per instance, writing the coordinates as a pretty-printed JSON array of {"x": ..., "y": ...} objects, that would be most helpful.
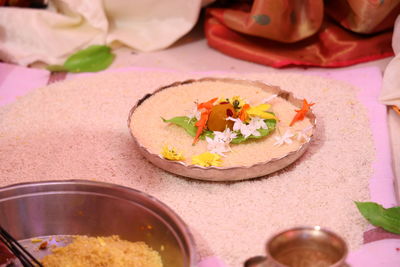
[
  {"x": 50, "y": 35},
  {"x": 390, "y": 94}
]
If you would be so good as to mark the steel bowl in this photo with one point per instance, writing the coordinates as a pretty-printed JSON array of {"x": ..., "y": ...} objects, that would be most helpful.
[
  {"x": 313, "y": 246},
  {"x": 303, "y": 246},
  {"x": 77, "y": 207},
  {"x": 234, "y": 173}
]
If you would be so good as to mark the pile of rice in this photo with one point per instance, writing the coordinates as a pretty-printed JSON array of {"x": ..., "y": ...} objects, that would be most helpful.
[
  {"x": 153, "y": 133},
  {"x": 77, "y": 129},
  {"x": 110, "y": 251}
]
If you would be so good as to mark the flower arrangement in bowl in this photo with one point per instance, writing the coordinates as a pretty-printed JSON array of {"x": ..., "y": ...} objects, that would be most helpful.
[
  {"x": 221, "y": 129},
  {"x": 220, "y": 123}
]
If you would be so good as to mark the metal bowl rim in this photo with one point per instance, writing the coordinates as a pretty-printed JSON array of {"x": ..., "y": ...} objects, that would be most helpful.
[
  {"x": 311, "y": 228},
  {"x": 182, "y": 226}
]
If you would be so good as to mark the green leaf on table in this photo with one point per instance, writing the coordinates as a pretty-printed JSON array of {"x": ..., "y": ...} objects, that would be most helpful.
[
  {"x": 92, "y": 59},
  {"x": 55, "y": 68},
  {"x": 271, "y": 124},
  {"x": 388, "y": 219},
  {"x": 189, "y": 125}
]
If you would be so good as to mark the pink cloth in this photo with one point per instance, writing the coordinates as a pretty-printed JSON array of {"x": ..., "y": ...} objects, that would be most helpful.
[
  {"x": 376, "y": 254},
  {"x": 16, "y": 81}
]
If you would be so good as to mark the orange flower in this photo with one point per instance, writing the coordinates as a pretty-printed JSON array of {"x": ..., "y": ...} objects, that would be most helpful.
[
  {"x": 242, "y": 114},
  {"x": 301, "y": 112},
  {"x": 205, "y": 109}
]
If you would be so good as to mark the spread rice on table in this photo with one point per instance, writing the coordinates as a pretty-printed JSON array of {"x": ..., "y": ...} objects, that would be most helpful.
[{"x": 77, "y": 129}]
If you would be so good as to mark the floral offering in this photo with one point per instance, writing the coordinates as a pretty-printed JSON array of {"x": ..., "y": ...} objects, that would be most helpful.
[{"x": 222, "y": 122}]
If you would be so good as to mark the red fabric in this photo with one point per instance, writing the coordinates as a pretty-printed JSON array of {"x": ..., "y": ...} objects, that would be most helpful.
[
  {"x": 330, "y": 46},
  {"x": 364, "y": 16},
  {"x": 280, "y": 20}
]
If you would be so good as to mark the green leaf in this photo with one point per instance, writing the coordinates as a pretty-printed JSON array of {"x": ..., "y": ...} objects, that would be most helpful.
[
  {"x": 55, "y": 68},
  {"x": 92, "y": 59},
  {"x": 263, "y": 132},
  {"x": 185, "y": 123},
  {"x": 388, "y": 219},
  {"x": 189, "y": 126}
]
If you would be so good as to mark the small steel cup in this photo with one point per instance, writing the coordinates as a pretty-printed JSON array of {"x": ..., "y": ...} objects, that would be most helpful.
[
  {"x": 306, "y": 247},
  {"x": 303, "y": 247}
]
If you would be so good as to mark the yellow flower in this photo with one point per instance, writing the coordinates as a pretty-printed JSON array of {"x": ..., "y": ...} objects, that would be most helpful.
[
  {"x": 207, "y": 159},
  {"x": 171, "y": 153},
  {"x": 237, "y": 102},
  {"x": 260, "y": 111},
  {"x": 222, "y": 99}
]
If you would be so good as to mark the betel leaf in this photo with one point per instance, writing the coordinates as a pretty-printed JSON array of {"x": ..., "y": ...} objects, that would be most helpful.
[
  {"x": 185, "y": 123},
  {"x": 189, "y": 126},
  {"x": 92, "y": 59},
  {"x": 388, "y": 219},
  {"x": 263, "y": 132},
  {"x": 55, "y": 68}
]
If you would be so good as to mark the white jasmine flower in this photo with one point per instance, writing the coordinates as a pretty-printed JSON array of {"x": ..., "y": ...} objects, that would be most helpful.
[
  {"x": 225, "y": 136},
  {"x": 252, "y": 130},
  {"x": 268, "y": 99},
  {"x": 194, "y": 114},
  {"x": 217, "y": 147},
  {"x": 258, "y": 123},
  {"x": 220, "y": 143},
  {"x": 285, "y": 138},
  {"x": 303, "y": 134},
  {"x": 248, "y": 129},
  {"x": 239, "y": 126},
  {"x": 245, "y": 129}
]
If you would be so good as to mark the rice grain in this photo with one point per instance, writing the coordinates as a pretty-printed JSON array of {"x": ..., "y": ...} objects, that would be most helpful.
[{"x": 77, "y": 130}]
